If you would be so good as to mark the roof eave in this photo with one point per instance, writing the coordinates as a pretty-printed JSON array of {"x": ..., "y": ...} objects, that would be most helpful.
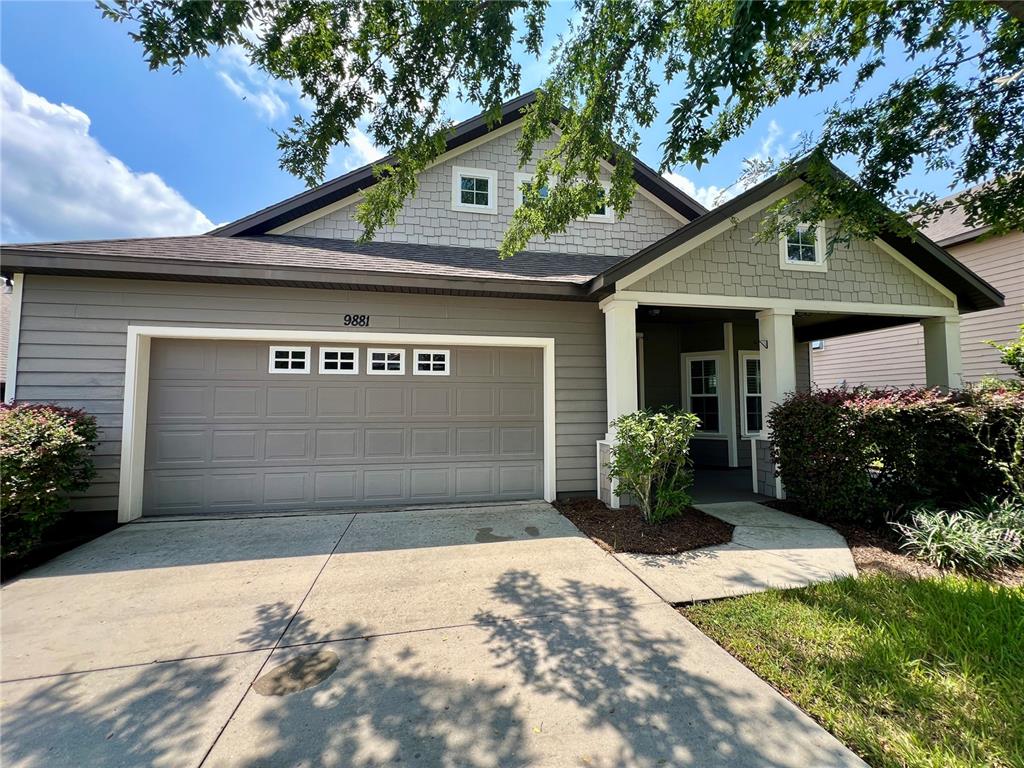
[{"x": 32, "y": 262}]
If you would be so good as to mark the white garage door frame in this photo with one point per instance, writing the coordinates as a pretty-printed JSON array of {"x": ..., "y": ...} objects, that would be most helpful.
[{"x": 136, "y": 386}]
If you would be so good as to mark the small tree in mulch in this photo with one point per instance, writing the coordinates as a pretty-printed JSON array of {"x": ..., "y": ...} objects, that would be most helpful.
[{"x": 651, "y": 461}]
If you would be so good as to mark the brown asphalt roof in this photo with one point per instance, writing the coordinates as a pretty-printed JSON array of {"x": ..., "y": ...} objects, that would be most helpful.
[
  {"x": 951, "y": 227},
  {"x": 277, "y": 251}
]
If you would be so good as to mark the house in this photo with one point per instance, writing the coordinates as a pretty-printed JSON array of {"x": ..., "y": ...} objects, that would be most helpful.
[
  {"x": 895, "y": 357},
  {"x": 275, "y": 363}
]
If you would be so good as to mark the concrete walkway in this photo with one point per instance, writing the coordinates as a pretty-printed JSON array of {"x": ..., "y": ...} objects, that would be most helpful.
[
  {"x": 769, "y": 549},
  {"x": 486, "y": 637}
]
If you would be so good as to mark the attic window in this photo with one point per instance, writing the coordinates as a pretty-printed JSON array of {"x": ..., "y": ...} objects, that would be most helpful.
[
  {"x": 520, "y": 180},
  {"x": 803, "y": 249},
  {"x": 474, "y": 189},
  {"x": 602, "y": 211}
]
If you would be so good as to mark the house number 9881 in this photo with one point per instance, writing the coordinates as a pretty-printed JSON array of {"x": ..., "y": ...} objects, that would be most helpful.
[{"x": 360, "y": 320}]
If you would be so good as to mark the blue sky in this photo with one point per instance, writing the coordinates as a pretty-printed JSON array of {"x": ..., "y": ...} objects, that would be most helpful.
[{"x": 97, "y": 145}]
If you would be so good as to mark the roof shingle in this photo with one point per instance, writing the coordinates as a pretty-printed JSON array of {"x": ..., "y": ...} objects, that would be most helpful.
[{"x": 343, "y": 255}]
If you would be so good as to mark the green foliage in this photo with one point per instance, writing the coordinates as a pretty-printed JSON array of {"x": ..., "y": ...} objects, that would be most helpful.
[
  {"x": 1012, "y": 354},
  {"x": 977, "y": 538},
  {"x": 45, "y": 454},
  {"x": 861, "y": 455},
  {"x": 392, "y": 65},
  {"x": 909, "y": 673},
  {"x": 651, "y": 461}
]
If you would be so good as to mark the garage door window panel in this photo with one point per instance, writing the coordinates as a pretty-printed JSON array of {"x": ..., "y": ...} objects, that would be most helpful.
[
  {"x": 339, "y": 360},
  {"x": 386, "y": 362},
  {"x": 431, "y": 362},
  {"x": 289, "y": 359}
]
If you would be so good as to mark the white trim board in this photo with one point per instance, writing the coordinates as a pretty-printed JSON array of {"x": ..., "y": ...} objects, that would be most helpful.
[
  {"x": 14, "y": 335},
  {"x": 653, "y": 298},
  {"x": 136, "y": 387}
]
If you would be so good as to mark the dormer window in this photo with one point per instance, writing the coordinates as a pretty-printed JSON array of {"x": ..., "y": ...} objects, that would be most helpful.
[
  {"x": 526, "y": 178},
  {"x": 603, "y": 211},
  {"x": 474, "y": 189},
  {"x": 803, "y": 249}
]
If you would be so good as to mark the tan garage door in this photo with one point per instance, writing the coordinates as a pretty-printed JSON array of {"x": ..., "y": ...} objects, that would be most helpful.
[{"x": 252, "y": 426}]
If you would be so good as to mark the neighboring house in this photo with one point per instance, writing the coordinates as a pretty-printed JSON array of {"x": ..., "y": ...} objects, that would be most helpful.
[
  {"x": 277, "y": 364},
  {"x": 895, "y": 357}
]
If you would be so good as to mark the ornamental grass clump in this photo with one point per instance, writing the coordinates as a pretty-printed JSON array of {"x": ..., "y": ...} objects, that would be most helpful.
[
  {"x": 651, "y": 461},
  {"x": 45, "y": 454},
  {"x": 977, "y": 538}
]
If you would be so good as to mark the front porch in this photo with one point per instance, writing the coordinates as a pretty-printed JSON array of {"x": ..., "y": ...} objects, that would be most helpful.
[{"x": 730, "y": 360}]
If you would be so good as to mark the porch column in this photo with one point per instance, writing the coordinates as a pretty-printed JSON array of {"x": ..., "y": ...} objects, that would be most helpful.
[
  {"x": 620, "y": 358},
  {"x": 942, "y": 364},
  {"x": 778, "y": 356},
  {"x": 778, "y": 372}
]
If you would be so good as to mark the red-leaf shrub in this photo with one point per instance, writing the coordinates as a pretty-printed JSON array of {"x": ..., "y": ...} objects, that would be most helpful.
[
  {"x": 866, "y": 455},
  {"x": 45, "y": 454}
]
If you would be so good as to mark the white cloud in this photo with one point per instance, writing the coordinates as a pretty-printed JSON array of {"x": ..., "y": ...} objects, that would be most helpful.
[
  {"x": 267, "y": 102},
  {"x": 271, "y": 98},
  {"x": 710, "y": 196},
  {"x": 59, "y": 183},
  {"x": 770, "y": 146},
  {"x": 361, "y": 150}
]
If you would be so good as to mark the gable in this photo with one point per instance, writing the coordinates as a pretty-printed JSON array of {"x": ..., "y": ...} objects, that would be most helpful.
[
  {"x": 337, "y": 193},
  {"x": 430, "y": 217},
  {"x": 736, "y": 263}
]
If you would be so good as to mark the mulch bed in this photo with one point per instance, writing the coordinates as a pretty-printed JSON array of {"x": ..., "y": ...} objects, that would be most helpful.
[
  {"x": 877, "y": 550},
  {"x": 73, "y": 531},
  {"x": 624, "y": 530}
]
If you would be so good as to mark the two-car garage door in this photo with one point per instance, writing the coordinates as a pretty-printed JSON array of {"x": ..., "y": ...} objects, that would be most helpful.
[{"x": 243, "y": 426}]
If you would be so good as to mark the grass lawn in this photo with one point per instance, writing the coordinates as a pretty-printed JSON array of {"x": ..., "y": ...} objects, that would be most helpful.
[{"x": 906, "y": 672}]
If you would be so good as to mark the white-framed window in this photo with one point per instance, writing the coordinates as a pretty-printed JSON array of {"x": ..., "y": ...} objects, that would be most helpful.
[
  {"x": 525, "y": 178},
  {"x": 474, "y": 189},
  {"x": 431, "y": 362},
  {"x": 804, "y": 249},
  {"x": 385, "y": 362},
  {"x": 703, "y": 387},
  {"x": 818, "y": 344},
  {"x": 289, "y": 359},
  {"x": 751, "y": 417},
  {"x": 339, "y": 360},
  {"x": 604, "y": 211}
]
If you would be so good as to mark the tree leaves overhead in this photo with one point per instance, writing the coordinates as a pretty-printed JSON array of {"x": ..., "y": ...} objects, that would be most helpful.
[{"x": 391, "y": 64}]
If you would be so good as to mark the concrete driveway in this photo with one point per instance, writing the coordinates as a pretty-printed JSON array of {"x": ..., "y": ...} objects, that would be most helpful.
[{"x": 478, "y": 636}]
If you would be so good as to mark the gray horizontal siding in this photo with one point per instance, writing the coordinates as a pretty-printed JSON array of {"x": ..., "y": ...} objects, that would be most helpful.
[
  {"x": 74, "y": 332},
  {"x": 895, "y": 357}
]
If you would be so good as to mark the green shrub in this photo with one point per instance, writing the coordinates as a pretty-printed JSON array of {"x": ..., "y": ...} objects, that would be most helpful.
[
  {"x": 651, "y": 461},
  {"x": 45, "y": 454},
  {"x": 975, "y": 539},
  {"x": 869, "y": 455}
]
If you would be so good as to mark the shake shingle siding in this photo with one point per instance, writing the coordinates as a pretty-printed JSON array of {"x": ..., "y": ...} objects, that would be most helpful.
[
  {"x": 738, "y": 263},
  {"x": 428, "y": 217},
  {"x": 74, "y": 333}
]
